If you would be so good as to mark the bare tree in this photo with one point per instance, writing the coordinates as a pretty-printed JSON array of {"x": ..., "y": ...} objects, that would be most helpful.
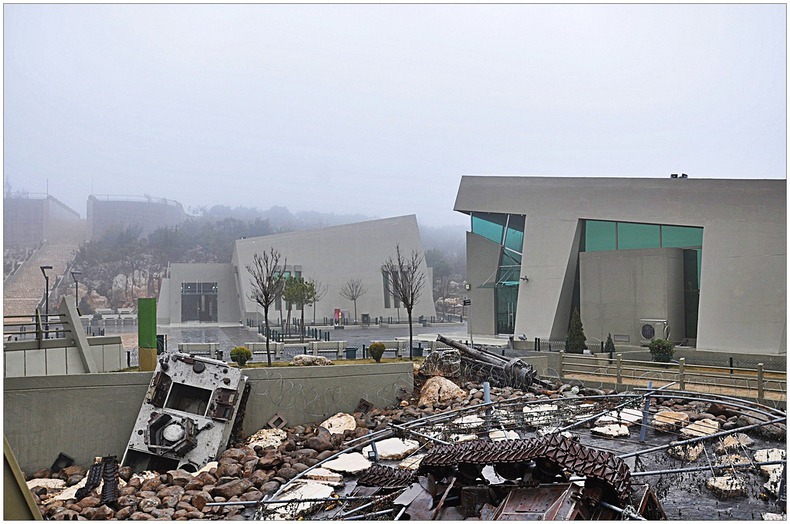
[
  {"x": 268, "y": 281},
  {"x": 406, "y": 282},
  {"x": 352, "y": 290},
  {"x": 317, "y": 292}
]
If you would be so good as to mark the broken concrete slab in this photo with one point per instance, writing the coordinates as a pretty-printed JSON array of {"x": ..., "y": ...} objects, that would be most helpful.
[
  {"x": 300, "y": 490},
  {"x": 611, "y": 430},
  {"x": 773, "y": 516},
  {"x": 726, "y": 486},
  {"x": 469, "y": 421},
  {"x": 412, "y": 462},
  {"x": 774, "y": 481},
  {"x": 769, "y": 455},
  {"x": 627, "y": 416},
  {"x": 462, "y": 438},
  {"x": 325, "y": 476},
  {"x": 393, "y": 448},
  {"x": 267, "y": 437},
  {"x": 670, "y": 421},
  {"x": 540, "y": 414},
  {"x": 348, "y": 463},
  {"x": 734, "y": 441},
  {"x": 701, "y": 428},
  {"x": 339, "y": 423},
  {"x": 498, "y": 434},
  {"x": 688, "y": 453},
  {"x": 50, "y": 484}
]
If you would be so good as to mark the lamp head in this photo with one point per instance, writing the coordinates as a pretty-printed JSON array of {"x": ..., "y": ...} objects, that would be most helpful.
[{"x": 44, "y": 270}]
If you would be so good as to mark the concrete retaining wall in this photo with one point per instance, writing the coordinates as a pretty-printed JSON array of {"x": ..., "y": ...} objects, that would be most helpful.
[
  {"x": 61, "y": 356},
  {"x": 92, "y": 415}
]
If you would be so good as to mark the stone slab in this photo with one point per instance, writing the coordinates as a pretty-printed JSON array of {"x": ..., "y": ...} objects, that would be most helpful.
[
  {"x": 611, "y": 430},
  {"x": 348, "y": 463},
  {"x": 393, "y": 448},
  {"x": 301, "y": 490},
  {"x": 701, "y": 428}
]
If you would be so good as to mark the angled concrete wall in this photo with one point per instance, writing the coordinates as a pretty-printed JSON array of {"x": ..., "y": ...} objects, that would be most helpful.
[
  {"x": 92, "y": 415},
  {"x": 743, "y": 305}
]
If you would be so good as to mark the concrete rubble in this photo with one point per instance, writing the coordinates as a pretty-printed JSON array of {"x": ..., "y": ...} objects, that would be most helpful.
[
  {"x": 670, "y": 421},
  {"x": 340, "y": 423},
  {"x": 687, "y": 452},
  {"x": 733, "y": 442},
  {"x": 611, "y": 430},
  {"x": 393, "y": 448},
  {"x": 310, "y": 360},
  {"x": 701, "y": 428},
  {"x": 726, "y": 486}
]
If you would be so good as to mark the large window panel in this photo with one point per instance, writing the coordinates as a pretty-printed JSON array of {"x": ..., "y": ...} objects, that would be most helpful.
[
  {"x": 514, "y": 236},
  {"x": 680, "y": 236},
  {"x": 489, "y": 225},
  {"x": 600, "y": 236},
  {"x": 638, "y": 236}
]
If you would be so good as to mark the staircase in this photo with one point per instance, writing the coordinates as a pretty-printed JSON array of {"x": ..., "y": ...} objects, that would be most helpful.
[{"x": 23, "y": 290}]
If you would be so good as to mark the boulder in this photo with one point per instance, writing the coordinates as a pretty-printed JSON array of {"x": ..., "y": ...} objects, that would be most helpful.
[
  {"x": 310, "y": 360},
  {"x": 270, "y": 458},
  {"x": 339, "y": 423},
  {"x": 726, "y": 486},
  {"x": 234, "y": 488},
  {"x": 440, "y": 389}
]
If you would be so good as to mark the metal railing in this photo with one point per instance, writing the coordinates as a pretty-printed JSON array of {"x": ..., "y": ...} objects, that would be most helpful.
[{"x": 758, "y": 382}]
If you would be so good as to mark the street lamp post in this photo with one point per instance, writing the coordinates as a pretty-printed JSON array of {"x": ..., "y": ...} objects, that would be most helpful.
[
  {"x": 46, "y": 299},
  {"x": 75, "y": 275}
]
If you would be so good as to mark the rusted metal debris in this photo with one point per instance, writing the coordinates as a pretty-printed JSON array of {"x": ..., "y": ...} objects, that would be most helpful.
[
  {"x": 498, "y": 370},
  {"x": 188, "y": 414}
]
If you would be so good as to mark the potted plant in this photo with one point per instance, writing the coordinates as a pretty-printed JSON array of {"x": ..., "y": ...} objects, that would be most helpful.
[
  {"x": 240, "y": 355},
  {"x": 376, "y": 350},
  {"x": 661, "y": 350}
]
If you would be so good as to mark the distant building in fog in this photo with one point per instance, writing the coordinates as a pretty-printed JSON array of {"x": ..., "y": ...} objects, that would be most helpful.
[
  {"x": 28, "y": 220},
  {"x": 332, "y": 255},
  {"x": 108, "y": 213}
]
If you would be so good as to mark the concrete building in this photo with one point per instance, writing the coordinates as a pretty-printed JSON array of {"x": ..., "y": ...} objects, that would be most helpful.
[
  {"x": 332, "y": 256},
  {"x": 29, "y": 220},
  {"x": 113, "y": 213},
  {"x": 702, "y": 262}
]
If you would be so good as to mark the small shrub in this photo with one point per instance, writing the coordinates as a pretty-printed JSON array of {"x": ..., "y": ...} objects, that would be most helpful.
[
  {"x": 609, "y": 346},
  {"x": 576, "y": 337},
  {"x": 376, "y": 350},
  {"x": 661, "y": 350},
  {"x": 240, "y": 355}
]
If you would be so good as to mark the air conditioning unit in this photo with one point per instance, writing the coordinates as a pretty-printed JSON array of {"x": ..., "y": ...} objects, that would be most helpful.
[{"x": 651, "y": 329}]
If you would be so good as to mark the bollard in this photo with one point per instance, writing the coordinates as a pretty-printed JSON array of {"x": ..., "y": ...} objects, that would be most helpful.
[
  {"x": 731, "y": 366},
  {"x": 760, "y": 383},
  {"x": 619, "y": 368},
  {"x": 682, "y": 374},
  {"x": 562, "y": 363},
  {"x": 487, "y": 399},
  {"x": 645, "y": 413}
]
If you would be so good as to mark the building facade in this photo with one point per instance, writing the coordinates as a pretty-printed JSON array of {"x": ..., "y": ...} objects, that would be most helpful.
[
  {"x": 108, "y": 213},
  {"x": 331, "y": 256},
  {"x": 701, "y": 262}
]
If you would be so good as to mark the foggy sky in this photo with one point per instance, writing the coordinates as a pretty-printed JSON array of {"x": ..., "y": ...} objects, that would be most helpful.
[{"x": 379, "y": 109}]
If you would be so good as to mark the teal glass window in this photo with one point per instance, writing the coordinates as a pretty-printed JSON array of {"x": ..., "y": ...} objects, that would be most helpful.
[
  {"x": 681, "y": 236},
  {"x": 600, "y": 236},
  {"x": 489, "y": 225},
  {"x": 514, "y": 236},
  {"x": 638, "y": 236}
]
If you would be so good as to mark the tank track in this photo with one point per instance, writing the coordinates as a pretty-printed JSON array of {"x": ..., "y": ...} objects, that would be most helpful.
[
  {"x": 109, "y": 491},
  {"x": 386, "y": 477},
  {"x": 554, "y": 450}
]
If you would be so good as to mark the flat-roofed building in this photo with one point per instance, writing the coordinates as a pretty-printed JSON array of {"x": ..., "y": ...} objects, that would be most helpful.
[
  {"x": 331, "y": 255},
  {"x": 700, "y": 261}
]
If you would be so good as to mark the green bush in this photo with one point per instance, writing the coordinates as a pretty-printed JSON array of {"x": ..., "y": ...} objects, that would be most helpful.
[
  {"x": 576, "y": 337},
  {"x": 240, "y": 355},
  {"x": 376, "y": 350},
  {"x": 661, "y": 350}
]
